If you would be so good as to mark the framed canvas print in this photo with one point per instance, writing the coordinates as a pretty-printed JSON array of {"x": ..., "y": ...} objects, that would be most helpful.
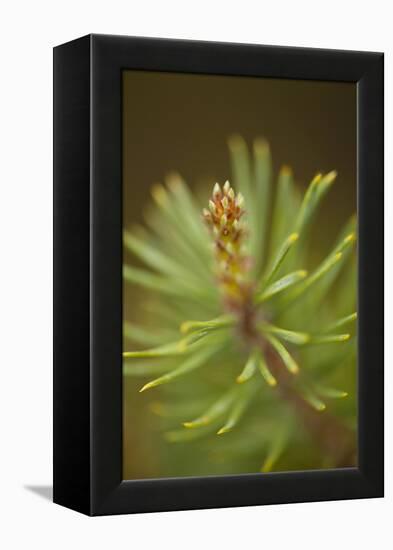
[{"x": 218, "y": 275}]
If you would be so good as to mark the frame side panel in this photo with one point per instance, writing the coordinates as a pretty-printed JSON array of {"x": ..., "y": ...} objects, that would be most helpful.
[
  {"x": 371, "y": 275},
  {"x": 71, "y": 317}
]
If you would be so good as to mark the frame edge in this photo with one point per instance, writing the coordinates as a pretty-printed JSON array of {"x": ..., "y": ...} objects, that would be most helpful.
[{"x": 71, "y": 275}]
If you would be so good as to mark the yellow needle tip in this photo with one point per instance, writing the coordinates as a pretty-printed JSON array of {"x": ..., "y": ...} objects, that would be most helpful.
[
  {"x": 261, "y": 146},
  {"x": 351, "y": 237},
  {"x": 286, "y": 170},
  {"x": 147, "y": 386},
  {"x": 185, "y": 327},
  {"x": 188, "y": 424},
  {"x": 330, "y": 177},
  {"x": 159, "y": 194}
]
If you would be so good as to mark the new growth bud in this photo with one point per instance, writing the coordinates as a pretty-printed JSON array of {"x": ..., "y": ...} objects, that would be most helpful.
[
  {"x": 216, "y": 192},
  {"x": 232, "y": 265}
]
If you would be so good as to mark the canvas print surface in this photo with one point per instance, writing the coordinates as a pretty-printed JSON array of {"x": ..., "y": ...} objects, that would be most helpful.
[{"x": 239, "y": 275}]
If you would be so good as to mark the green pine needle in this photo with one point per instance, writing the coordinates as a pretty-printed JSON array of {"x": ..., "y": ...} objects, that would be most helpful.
[
  {"x": 342, "y": 322},
  {"x": 265, "y": 372},
  {"x": 279, "y": 258},
  {"x": 277, "y": 446},
  {"x": 241, "y": 404},
  {"x": 314, "y": 401},
  {"x": 193, "y": 362},
  {"x": 218, "y": 409},
  {"x": 317, "y": 189},
  {"x": 222, "y": 322},
  {"x": 286, "y": 357},
  {"x": 249, "y": 368},
  {"x": 329, "y": 339},
  {"x": 294, "y": 337},
  {"x": 331, "y": 393},
  {"x": 282, "y": 284}
]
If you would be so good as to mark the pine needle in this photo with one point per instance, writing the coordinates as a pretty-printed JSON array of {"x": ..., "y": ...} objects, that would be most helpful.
[
  {"x": 341, "y": 322},
  {"x": 191, "y": 363},
  {"x": 150, "y": 281},
  {"x": 263, "y": 174},
  {"x": 291, "y": 336},
  {"x": 240, "y": 406},
  {"x": 329, "y": 339},
  {"x": 214, "y": 412},
  {"x": 279, "y": 258},
  {"x": 276, "y": 449},
  {"x": 173, "y": 348},
  {"x": 241, "y": 168},
  {"x": 266, "y": 374},
  {"x": 314, "y": 401},
  {"x": 287, "y": 359},
  {"x": 286, "y": 200},
  {"x": 158, "y": 261},
  {"x": 282, "y": 284},
  {"x": 315, "y": 192},
  {"x": 249, "y": 368},
  {"x": 214, "y": 324},
  {"x": 331, "y": 393},
  {"x": 141, "y": 335}
]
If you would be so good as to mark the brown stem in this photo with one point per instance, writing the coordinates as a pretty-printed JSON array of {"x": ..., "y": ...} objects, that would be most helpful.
[{"x": 332, "y": 437}]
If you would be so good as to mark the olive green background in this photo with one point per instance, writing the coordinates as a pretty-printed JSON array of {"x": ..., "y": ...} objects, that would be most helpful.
[{"x": 182, "y": 122}]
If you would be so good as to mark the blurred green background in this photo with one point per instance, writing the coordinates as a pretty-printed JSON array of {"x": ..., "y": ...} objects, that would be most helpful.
[{"x": 182, "y": 122}]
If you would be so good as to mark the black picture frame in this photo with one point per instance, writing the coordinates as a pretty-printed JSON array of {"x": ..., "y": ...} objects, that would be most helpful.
[{"x": 88, "y": 280}]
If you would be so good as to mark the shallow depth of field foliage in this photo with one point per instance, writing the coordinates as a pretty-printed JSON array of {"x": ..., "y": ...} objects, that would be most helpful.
[{"x": 248, "y": 344}]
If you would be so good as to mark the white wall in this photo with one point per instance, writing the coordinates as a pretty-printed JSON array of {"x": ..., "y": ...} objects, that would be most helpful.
[{"x": 28, "y": 32}]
